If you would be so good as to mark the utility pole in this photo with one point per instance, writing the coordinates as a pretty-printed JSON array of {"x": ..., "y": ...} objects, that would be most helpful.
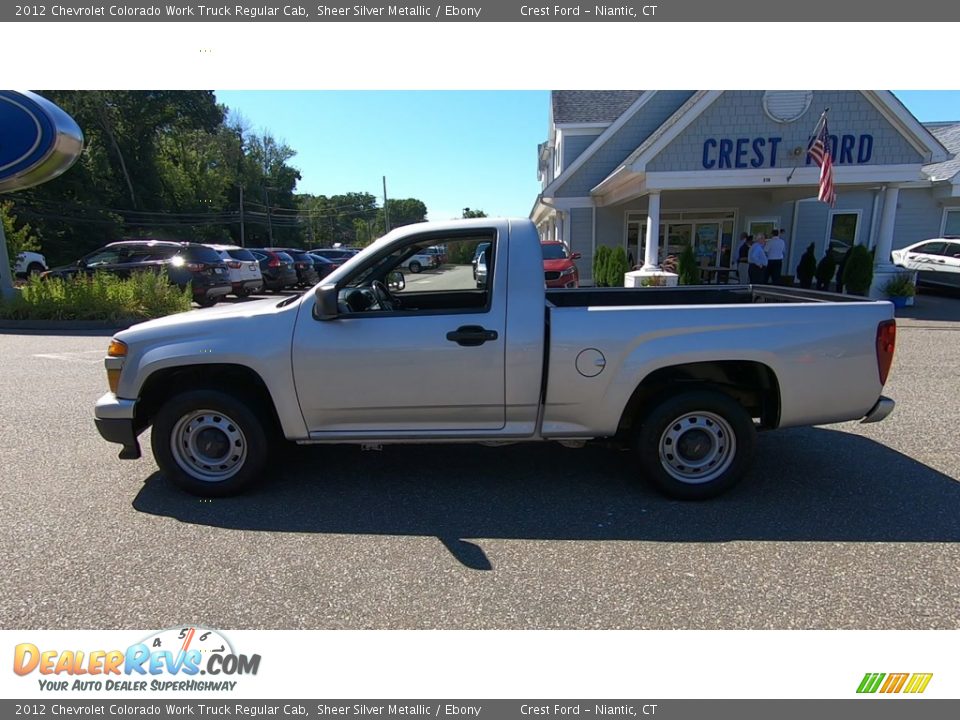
[
  {"x": 242, "y": 241},
  {"x": 266, "y": 197},
  {"x": 386, "y": 208},
  {"x": 6, "y": 280}
]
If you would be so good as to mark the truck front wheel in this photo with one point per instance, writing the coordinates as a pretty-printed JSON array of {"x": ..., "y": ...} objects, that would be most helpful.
[
  {"x": 696, "y": 445},
  {"x": 209, "y": 443}
]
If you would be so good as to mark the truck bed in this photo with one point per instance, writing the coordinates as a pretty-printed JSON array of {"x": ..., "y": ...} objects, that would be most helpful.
[{"x": 693, "y": 295}]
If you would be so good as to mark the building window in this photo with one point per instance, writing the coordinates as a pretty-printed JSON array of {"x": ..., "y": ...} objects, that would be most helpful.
[
  {"x": 951, "y": 222},
  {"x": 785, "y": 106},
  {"x": 842, "y": 232}
]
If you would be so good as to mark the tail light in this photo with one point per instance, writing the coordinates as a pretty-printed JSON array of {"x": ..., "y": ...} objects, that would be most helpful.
[
  {"x": 234, "y": 265},
  {"x": 274, "y": 262},
  {"x": 301, "y": 265},
  {"x": 886, "y": 342},
  {"x": 195, "y": 267}
]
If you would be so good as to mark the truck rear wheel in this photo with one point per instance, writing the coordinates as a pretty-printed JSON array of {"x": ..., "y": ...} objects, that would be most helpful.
[
  {"x": 209, "y": 443},
  {"x": 696, "y": 445}
]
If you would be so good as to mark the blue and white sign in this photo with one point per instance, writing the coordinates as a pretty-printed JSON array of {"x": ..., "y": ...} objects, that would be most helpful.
[{"x": 38, "y": 140}]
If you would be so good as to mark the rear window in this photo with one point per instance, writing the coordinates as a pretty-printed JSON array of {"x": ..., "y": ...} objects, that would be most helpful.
[
  {"x": 241, "y": 254},
  {"x": 284, "y": 257},
  {"x": 553, "y": 252},
  {"x": 199, "y": 253}
]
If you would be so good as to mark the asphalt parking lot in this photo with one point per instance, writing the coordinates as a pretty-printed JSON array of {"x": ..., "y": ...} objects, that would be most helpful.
[{"x": 848, "y": 526}]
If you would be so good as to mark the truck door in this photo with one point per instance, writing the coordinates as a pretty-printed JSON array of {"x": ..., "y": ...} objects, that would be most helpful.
[{"x": 424, "y": 354}]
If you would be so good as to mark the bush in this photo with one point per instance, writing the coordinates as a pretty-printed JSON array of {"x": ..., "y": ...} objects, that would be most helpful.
[
  {"x": 858, "y": 270},
  {"x": 807, "y": 267},
  {"x": 825, "y": 271},
  {"x": 142, "y": 296},
  {"x": 900, "y": 285},
  {"x": 617, "y": 265},
  {"x": 688, "y": 270},
  {"x": 600, "y": 259}
]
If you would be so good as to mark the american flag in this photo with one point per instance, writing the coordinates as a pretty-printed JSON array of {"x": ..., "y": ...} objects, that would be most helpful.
[{"x": 819, "y": 152}]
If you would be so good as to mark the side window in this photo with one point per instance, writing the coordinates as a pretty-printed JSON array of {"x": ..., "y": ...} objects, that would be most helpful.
[
  {"x": 106, "y": 256},
  {"x": 953, "y": 250},
  {"x": 455, "y": 265},
  {"x": 930, "y": 248},
  {"x": 428, "y": 275}
]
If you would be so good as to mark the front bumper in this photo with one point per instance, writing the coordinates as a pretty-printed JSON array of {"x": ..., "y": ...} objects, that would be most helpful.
[
  {"x": 116, "y": 422},
  {"x": 879, "y": 411}
]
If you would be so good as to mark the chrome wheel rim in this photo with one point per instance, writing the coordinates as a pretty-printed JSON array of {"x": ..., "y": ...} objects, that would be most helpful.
[
  {"x": 697, "y": 447},
  {"x": 208, "y": 445}
]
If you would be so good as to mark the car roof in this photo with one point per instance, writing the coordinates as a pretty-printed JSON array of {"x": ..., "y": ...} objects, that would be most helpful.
[{"x": 154, "y": 243}]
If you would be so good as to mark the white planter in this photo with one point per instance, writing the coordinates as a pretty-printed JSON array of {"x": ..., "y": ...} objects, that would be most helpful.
[{"x": 637, "y": 278}]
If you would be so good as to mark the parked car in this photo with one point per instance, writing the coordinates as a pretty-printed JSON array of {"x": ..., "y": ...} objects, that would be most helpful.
[
  {"x": 303, "y": 263},
  {"x": 339, "y": 255},
  {"x": 186, "y": 264},
  {"x": 323, "y": 266},
  {"x": 420, "y": 261},
  {"x": 936, "y": 261},
  {"x": 277, "y": 269},
  {"x": 437, "y": 251},
  {"x": 243, "y": 268},
  {"x": 683, "y": 376},
  {"x": 559, "y": 269},
  {"x": 477, "y": 255},
  {"x": 29, "y": 263}
]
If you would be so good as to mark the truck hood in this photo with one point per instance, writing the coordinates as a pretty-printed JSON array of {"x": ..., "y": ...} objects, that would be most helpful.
[
  {"x": 243, "y": 317},
  {"x": 557, "y": 265}
]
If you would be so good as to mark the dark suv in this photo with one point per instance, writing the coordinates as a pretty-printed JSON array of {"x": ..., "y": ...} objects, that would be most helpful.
[{"x": 185, "y": 263}]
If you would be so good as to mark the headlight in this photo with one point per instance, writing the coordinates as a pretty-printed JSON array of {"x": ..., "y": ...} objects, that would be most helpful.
[{"x": 569, "y": 271}]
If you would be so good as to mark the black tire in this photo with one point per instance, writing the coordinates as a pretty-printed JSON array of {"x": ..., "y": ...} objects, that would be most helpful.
[
  {"x": 206, "y": 302},
  {"x": 35, "y": 268},
  {"x": 415, "y": 267},
  {"x": 224, "y": 411},
  {"x": 242, "y": 293},
  {"x": 714, "y": 430}
]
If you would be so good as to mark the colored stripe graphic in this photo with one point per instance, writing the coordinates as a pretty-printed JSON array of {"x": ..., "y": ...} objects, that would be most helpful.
[
  {"x": 918, "y": 682},
  {"x": 870, "y": 682},
  {"x": 894, "y": 683}
]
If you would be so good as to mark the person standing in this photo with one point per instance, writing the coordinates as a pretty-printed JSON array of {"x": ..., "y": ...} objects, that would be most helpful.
[
  {"x": 743, "y": 265},
  {"x": 775, "y": 249},
  {"x": 758, "y": 261}
]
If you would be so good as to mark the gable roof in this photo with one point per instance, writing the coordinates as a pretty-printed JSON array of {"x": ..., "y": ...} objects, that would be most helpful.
[
  {"x": 590, "y": 106},
  {"x": 948, "y": 133}
]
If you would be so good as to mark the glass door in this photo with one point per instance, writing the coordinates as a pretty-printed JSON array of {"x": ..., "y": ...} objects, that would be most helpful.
[{"x": 706, "y": 245}]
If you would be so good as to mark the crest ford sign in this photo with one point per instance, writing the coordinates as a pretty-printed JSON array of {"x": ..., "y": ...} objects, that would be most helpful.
[{"x": 38, "y": 140}]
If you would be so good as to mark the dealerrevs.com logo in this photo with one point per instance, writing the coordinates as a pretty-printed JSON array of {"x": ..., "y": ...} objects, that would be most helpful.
[
  {"x": 171, "y": 659},
  {"x": 910, "y": 683}
]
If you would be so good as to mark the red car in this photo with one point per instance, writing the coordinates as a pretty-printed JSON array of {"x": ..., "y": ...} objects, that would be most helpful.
[{"x": 559, "y": 270}]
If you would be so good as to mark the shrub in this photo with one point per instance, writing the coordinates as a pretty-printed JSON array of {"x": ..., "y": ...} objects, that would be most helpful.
[
  {"x": 858, "y": 270},
  {"x": 688, "y": 270},
  {"x": 825, "y": 271},
  {"x": 900, "y": 285},
  {"x": 807, "y": 267},
  {"x": 600, "y": 259},
  {"x": 142, "y": 296},
  {"x": 617, "y": 265}
]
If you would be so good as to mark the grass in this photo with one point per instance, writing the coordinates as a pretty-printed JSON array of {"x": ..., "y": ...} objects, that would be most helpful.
[{"x": 101, "y": 297}]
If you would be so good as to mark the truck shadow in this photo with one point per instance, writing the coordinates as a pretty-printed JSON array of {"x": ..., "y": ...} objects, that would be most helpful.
[{"x": 808, "y": 484}]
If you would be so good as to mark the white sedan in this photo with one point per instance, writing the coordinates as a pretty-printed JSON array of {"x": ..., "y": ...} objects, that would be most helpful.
[
  {"x": 420, "y": 261},
  {"x": 29, "y": 263},
  {"x": 936, "y": 261}
]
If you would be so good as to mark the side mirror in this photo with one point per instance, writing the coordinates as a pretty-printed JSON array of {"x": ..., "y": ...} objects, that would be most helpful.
[
  {"x": 396, "y": 281},
  {"x": 81, "y": 263},
  {"x": 326, "y": 307},
  {"x": 575, "y": 256}
]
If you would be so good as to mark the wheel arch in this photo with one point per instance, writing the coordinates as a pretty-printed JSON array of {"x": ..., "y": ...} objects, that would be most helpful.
[
  {"x": 751, "y": 383},
  {"x": 234, "y": 379}
]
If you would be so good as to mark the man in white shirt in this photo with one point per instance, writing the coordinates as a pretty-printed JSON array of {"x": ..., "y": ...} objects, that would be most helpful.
[
  {"x": 758, "y": 261},
  {"x": 775, "y": 249}
]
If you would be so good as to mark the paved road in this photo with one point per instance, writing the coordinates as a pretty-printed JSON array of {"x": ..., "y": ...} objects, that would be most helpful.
[{"x": 842, "y": 527}]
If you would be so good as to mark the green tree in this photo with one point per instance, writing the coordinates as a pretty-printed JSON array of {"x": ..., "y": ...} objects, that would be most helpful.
[
  {"x": 617, "y": 265},
  {"x": 19, "y": 237},
  {"x": 600, "y": 259},
  {"x": 687, "y": 269},
  {"x": 468, "y": 213},
  {"x": 403, "y": 212},
  {"x": 858, "y": 270}
]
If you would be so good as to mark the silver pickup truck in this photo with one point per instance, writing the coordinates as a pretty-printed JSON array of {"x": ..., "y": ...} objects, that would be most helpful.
[{"x": 683, "y": 376}]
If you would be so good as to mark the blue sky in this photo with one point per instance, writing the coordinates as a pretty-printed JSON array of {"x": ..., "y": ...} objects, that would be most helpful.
[{"x": 450, "y": 149}]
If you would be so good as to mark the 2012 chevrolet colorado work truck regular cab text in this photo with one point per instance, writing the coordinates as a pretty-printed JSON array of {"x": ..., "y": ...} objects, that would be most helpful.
[{"x": 684, "y": 376}]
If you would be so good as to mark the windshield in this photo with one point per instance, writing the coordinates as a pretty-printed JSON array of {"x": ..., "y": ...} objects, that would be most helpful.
[{"x": 554, "y": 252}]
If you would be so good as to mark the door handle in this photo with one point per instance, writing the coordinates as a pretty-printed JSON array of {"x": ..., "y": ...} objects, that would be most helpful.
[{"x": 471, "y": 335}]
